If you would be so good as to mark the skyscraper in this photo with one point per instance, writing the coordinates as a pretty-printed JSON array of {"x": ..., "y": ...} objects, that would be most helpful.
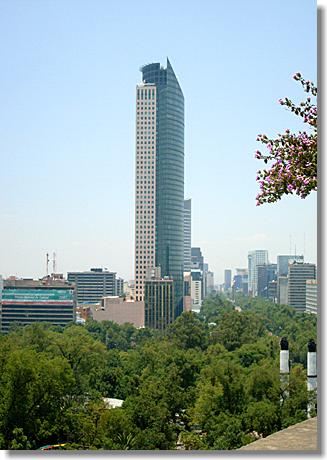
[
  {"x": 187, "y": 235},
  {"x": 255, "y": 258},
  {"x": 159, "y": 188}
]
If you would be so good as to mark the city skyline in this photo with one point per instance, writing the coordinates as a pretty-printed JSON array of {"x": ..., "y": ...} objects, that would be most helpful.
[{"x": 67, "y": 129}]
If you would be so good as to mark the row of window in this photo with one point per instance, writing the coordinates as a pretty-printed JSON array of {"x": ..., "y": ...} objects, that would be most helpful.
[
  {"x": 145, "y": 93},
  {"x": 145, "y": 103}
]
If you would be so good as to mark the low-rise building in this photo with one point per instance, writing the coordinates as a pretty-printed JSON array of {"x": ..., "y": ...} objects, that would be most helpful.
[
  {"x": 118, "y": 310},
  {"x": 27, "y": 301},
  {"x": 94, "y": 284}
]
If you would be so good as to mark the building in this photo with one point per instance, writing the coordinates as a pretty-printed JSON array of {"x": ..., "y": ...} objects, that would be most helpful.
[
  {"x": 159, "y": 309},
  {"x": 298, "y": 274},
  {"x": 28, "y": 301},
  {"x": 237, "y": 282},
  {"x": 272, "y": 291},
  {"x": 240, "y": 280},
  {"x": 196, "y": 289},
  {"x": 311, "y": 296},
  {"x": 119, "y": 286},
  {"x": 114, "y": 308},
  {"x": 227, "y": 279},
  {"x": 255, "y": 258},
  {"x": 266, "y": 274},
  {"x": 210, "y": 286},
  {"x": 197, "y": 259},
  {"x": 92, "y": 285},
  {"x": 159, "y": 187},
  {"x": 187, "y": 235},
  {"x": 283, "y": 261},
  {"x": 282, "y": 290}
]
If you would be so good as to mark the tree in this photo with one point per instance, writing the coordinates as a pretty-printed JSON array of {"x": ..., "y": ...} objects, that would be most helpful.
[
  {"x": 187, "y": 331},
  {"x": 294, "y": 156}
]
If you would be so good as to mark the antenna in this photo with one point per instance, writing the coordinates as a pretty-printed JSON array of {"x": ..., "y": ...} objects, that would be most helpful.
[
  {"x": 303, "y": 247},
  {"x": 47, "y": 259},
  {"x": 295, "y": 250},
  {"x": 54, "y": 267}
]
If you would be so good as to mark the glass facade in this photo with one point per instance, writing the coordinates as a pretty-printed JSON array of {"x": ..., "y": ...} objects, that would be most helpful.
[{"x": 169, "y": 175}]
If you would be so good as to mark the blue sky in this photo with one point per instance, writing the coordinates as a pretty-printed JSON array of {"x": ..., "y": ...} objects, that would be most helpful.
[{"x": 67, "y": 125}]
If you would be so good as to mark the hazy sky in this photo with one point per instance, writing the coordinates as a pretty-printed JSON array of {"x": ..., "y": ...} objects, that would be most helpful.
[{"x": 67, "y": 125}]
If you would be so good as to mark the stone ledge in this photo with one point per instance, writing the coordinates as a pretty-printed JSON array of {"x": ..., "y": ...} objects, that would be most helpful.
[{"x": 299, "y": 437}]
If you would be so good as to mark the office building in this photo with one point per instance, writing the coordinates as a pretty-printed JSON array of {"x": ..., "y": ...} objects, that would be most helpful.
[
  {"x": 237, "y": 282},
  {"x": 283, "y": 261},
  {"x": 255, "y": 258},
  {"x": 187, "y": 235},
  {"x": 298, "y": 274},
  {"x": 159, "y": 187},
  {"x": 272, "y": 291},
  {"x": 282, "y": 290},
  {"x": 240, "y": 280},
  {"x": 227, "y": 279},
  {"x": 187, "y": 301},
  {"x": 196, "y": 289},
  {"x": 119, "y": 286},
  {"x": 210, "y": 285},
  {"x": 159, "y": 309},
  {"x": 92, "y": 285},
  {"x": 266, "y": 274},
  {"x": 311, "y": 296},
  {"x": 28, "y": 301},
  {"x": 197, "y": 259}
]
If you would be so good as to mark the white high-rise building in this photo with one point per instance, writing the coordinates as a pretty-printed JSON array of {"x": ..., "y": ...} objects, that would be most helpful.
[
  {"x": 145, "y": 191},
  {"x": 187, "y": 235},
  {"x": 255, "y": 258}
]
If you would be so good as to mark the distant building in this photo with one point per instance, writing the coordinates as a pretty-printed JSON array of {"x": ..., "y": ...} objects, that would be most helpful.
[
  {"x": 118, "y": 310},
  {"x": 298, "y": 274},
  {"x": 272, "y": 291},
  {"x": 196, "y": 289},
  {"x": 158, "y": 303},
  {"x": 311, "y": 296},
  {"x": 197, "y": 259},
  {"x": 119, "y": 286},
  {"x": 240, "y": 279},
  {"x": 245, "y": 285},
  {"x": 228, "y": 279},
  {"x": 266, "y": 274},
  {"x": 128, "y": 289},
  {"x": 210, "y": 282},
  {"x": 255, "y": 258},
  {"x": 187, "y": 235},
  {"x": 282, "y": 290},
  {"x": 92, "y": 285},
  {"x": 27, "y": 301},
  {"x": 283, "y": 261},
  {"x": 237, "y": 282}
]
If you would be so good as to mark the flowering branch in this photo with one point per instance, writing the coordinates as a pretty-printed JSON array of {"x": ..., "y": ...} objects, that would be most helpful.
[{"x": 293, "y": 156}]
